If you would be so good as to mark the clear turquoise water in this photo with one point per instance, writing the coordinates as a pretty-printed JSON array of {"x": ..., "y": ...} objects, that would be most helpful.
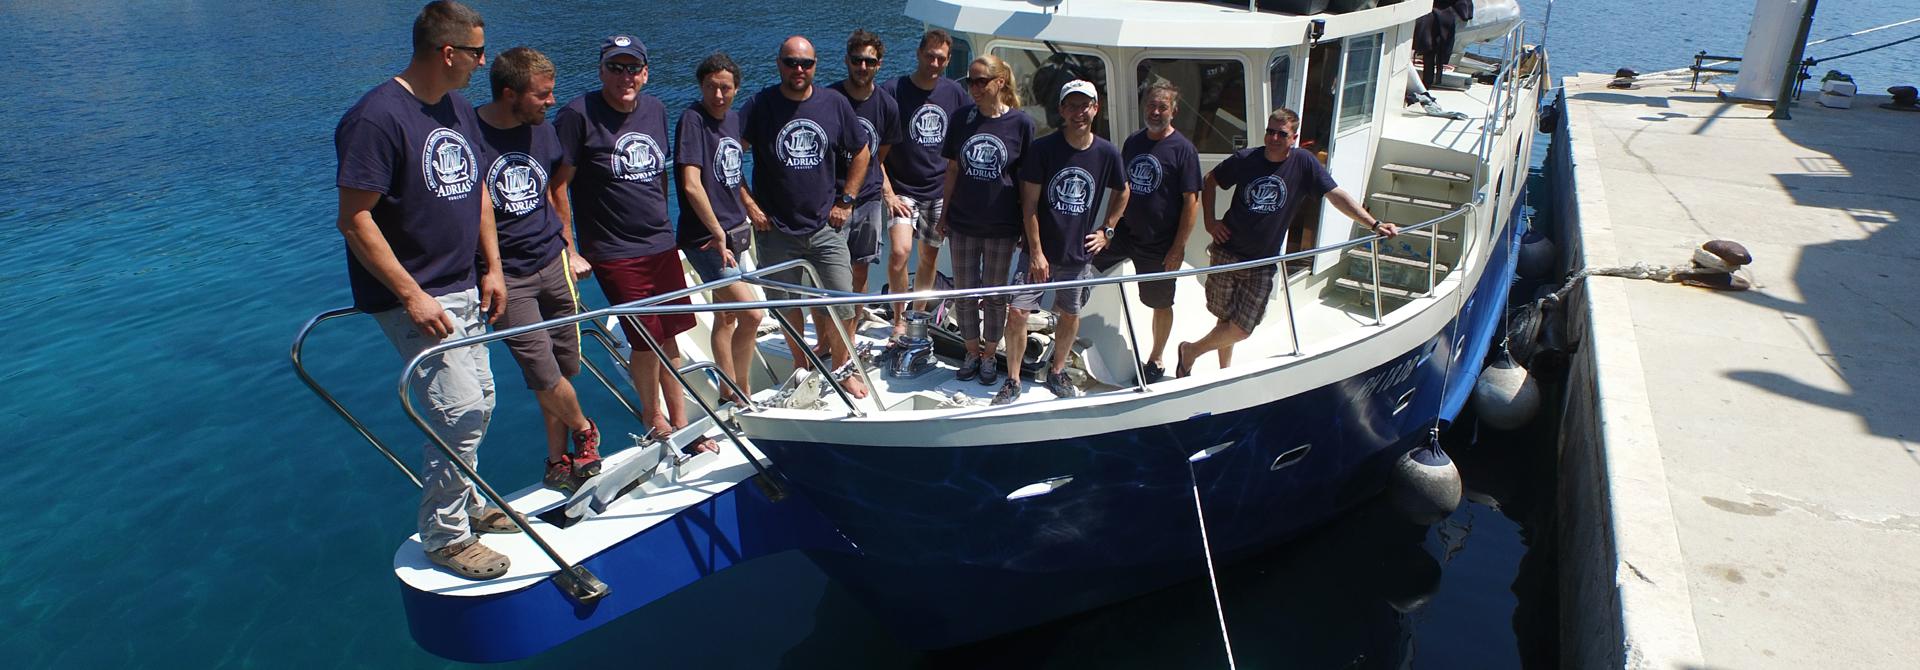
[{"x": 180, "y": 500}]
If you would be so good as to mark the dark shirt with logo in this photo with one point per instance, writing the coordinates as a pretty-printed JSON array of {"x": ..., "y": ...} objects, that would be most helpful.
[
  {"x": 879, "y": 117},
  {"x": 985, "y": 201},
  {"x": 1073, "y": 185},
  {"x": 1159, "y": 175},
  {"x": 619, "y": 186},
  {"x": 519, "y": 161},
  {"x": 797, "y": 147},
  {"x": 420, "y": 158},
  {"x": 713, "y": 145},
  {"x": 1266, "y": 196},
  {"x": 917, "y": 165}
]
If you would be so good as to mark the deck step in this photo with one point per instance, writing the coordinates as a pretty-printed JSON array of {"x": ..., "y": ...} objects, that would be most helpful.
[
  {"x": 1414, "y": 201},
  {"x": 1427, "y": 173},
  {"x": 1364, "y": 258},
  {"x": 1365, "y": 289}
]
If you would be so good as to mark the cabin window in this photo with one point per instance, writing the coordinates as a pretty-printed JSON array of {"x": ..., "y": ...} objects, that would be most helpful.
[
  {"x": 1280, "y": 73},
  {"x": 959, "y": 58},
  {"x": 1213, "y": 100},
  {"x": 1040, "y": 74},
  {"x": 1359, "y": 88}
]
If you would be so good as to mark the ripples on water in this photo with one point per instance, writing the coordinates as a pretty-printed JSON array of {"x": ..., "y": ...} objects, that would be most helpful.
[{"x": 167, "y": 224}]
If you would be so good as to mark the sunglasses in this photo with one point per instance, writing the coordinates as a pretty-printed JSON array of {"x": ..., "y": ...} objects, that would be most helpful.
[
  {"x": 1281, "y": 133},
  {"x": 868, "y": 61},
  {"x": 979, "y": 81},
  {"x": 798, "y": 63},
  {"x": 625, "y": 68},
  {"x": 478, "y": 52}
]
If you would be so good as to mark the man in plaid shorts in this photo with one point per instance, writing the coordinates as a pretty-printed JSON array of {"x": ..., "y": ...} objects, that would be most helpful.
[{"x": 1269, "y": 182}]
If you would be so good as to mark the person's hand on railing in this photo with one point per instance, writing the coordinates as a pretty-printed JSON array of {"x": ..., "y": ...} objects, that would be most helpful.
[
  {"x": 1037, "y": 268},
  {"x": 1384, "y": 229},
  {"x": 581, "y": 268},
  {"x": 428, "y": 316},
  {"x": 1217, "y": 230}
]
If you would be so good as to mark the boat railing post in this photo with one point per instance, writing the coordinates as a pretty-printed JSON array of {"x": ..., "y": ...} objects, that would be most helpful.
[
  {"x": 575, "y": 580},
  {"x": 680, "y": 377},
  {"x": 1286, "y": 296},
  {"x": 1133, "y": 340},
  {"x": 819, "y": 366},
  {"x": 1373, "y": 248},
  {"x": 601, "y": 375},
  {"x": 300, "y": 369},
  {"x": 714, "y": 369},
  {"x": 853, "y": 357},
  {"x": 1433, "y": 254}
]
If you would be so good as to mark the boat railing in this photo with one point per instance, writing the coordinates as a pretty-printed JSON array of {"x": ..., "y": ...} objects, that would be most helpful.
[{"x": 1506, "y": 91}]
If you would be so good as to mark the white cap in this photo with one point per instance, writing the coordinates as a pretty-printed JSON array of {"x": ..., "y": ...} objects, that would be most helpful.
[{"x": 1080, "y": 86}]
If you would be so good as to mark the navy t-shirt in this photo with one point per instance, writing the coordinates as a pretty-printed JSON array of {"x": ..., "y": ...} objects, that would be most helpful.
[
  {"x": 713, "y": 145},
  {"x": 797, "y": 147},
  {"x": 519, "y": 161},
  {"x": 1159, "y": 174},
  {"x": 619, "y": 186},
  {"x": 879, "y": 118},
  {"x": 917, "y": 165},
  {"x": 1266, "y": 197},
  {"x": 1073, "y": 184},
  {"x": 420, "y": 158},
  {"x": 985, "y": 199}
]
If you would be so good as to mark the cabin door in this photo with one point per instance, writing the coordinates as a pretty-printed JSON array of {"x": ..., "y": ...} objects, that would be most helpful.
[{"x": 1317, "y": 106}]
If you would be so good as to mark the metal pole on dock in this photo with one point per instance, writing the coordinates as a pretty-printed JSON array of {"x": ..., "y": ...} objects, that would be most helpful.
[{"x": 1790, "y": 79}]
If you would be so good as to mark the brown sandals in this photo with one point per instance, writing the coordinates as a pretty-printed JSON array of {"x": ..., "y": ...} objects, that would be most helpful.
[{"x": 471, "y": 560}]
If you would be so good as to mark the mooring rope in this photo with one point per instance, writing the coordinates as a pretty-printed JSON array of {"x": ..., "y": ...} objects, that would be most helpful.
[{"x": 1213, "y": 580}]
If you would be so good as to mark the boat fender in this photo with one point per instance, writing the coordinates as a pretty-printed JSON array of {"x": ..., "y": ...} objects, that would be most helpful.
[
  {"x": 1427, "y": 486},
  {"x": 1536, "y": 255},
  {"x": 1505, "y": 397},
  {"x": 1549, "y": 119}
]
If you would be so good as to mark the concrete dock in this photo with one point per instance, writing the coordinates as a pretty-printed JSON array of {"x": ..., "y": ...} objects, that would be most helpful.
[{"x": 1741, "y": 471}]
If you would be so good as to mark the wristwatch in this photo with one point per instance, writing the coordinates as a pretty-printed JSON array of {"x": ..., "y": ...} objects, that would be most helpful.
[
  {"x": 843, "y": 199},
  {"x": 1108, "y": 231}
]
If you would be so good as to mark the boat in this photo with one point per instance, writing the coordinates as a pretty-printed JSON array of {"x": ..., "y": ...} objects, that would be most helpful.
[{"x": 956, "y": 521}]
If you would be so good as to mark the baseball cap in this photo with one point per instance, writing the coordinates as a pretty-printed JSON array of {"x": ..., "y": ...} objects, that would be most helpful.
[
  {"x": 623, "y": 44},
  {"x": 1080, "y": 86}
]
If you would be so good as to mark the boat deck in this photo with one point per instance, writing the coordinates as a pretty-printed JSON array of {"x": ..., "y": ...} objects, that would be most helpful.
[{"x": 1746, "y": 478}]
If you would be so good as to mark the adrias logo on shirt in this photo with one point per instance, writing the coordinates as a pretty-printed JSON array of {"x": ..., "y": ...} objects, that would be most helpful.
[
  {"x": 636, "y": 157},
  {"x": 1266, "y": 194},
  {"x": 985, "y": 156},
  {"x": 873, "y": 138},
  {"x": 448, "y": 164},
  {"x": 726, "y": 159},
  {"x": 801, "y": 144},
  {"x": 1071, "y": 191},
  {"x": 1143, "y": 174},
  {"x": 516, "y": 182},
  {"x": 929, "y": 124}
]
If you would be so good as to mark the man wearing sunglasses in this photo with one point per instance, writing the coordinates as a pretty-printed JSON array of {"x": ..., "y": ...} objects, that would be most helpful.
[
  {"x": 879, "y": 117},
  {"x": 798, "y": 136},
  {"x": 615, "y": 164},
  {"x": 1269, "y": 183},
  {"x": 916, "y": 170},
  {"x": 415, "y": 214}
]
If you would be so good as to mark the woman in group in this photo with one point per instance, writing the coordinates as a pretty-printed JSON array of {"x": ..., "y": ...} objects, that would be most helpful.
[
  {"x": 982, "y": 215},
  {"x": 714, "y": 207}
]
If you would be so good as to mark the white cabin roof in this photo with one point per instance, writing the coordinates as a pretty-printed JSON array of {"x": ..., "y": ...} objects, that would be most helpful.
[{"x": 1150, "y": 23}]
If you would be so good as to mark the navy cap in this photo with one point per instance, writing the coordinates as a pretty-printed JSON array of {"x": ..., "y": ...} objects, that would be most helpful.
[{"x": 623, "y": 44}]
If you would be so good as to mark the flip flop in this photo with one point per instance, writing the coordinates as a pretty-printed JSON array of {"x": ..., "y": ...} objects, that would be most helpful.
[
  {"x": 492, "y": 520},
  {"x": 1182, "y": 369},
  {"x": 471, "y": 560},
  {"x": 704, "y": 445}
]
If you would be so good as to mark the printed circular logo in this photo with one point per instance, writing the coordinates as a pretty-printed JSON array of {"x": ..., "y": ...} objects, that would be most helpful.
[
  {"x": 801, "y": 144},
  {"x": 984, "y": 155},
  {"x": 929, "y": 124},
  {"x": 448, "y": 164},
  {"x": 726, "y": 159},
  {"x": 622, "y": 41},
  {"x": 873, "y": 138},
  {"x": 1266, "y": 194},
  {"x": 1071, "y": 191},
  {"x": 636, "y": 157},
  {"x": 516, "y": 182},
  {"x": 1144, "y": 173}
]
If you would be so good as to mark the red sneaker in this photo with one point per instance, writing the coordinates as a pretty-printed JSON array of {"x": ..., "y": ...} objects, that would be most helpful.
[{"x": 586, "y": 451}]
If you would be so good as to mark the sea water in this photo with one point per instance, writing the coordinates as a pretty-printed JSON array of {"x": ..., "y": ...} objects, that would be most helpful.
[{"x": 178, "y": 498}]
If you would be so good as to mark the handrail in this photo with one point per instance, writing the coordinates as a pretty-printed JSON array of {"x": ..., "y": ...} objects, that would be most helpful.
[{"x": 300, "y": 368}]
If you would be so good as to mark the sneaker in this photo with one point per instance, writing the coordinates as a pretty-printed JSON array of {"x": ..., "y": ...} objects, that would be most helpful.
[
  {"x": 989, "y": 370},
  {"x": 559, "y": 474},
  {"x": 969, "y": 368},
  {"x": 1154, "y": 372},
  {"x": 1058, "y": 382},
  {"x": 1008, "y": 391},
  {"x": 586, "y": 451}
]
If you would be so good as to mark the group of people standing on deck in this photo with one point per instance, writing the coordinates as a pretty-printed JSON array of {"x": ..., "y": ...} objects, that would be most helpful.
[{"x": 456, "y": 217}]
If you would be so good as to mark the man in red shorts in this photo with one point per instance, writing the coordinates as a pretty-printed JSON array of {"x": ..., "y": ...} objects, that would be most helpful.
[{"x": 614, "y": 144}]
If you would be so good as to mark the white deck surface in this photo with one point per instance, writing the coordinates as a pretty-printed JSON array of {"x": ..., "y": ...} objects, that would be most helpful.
[{"x": 1779, "y": 423}]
